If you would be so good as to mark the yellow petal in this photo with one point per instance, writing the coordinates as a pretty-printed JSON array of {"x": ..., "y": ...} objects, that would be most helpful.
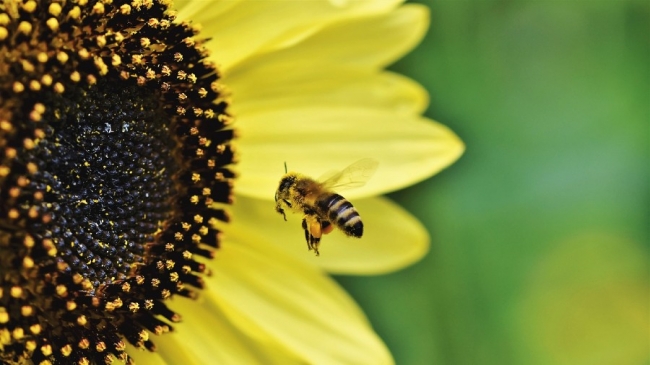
[
  {"x": 359, "y": 9},
  {"x": 366, "y": 43},
  {"x": 215, "y": 339},
  {"x": 241, "y": 29},
  {"x": 197, "y": 11},
  {"x": 142, "y": 356},
  {"x": 314, "y": 140},
  {"x": 392, "y": 238},
  {"x": 266, "y": 293},
  {"x": 285, "y": 86}
]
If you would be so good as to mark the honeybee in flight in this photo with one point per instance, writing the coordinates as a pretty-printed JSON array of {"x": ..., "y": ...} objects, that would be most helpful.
[{"x": 322, "y": 208}]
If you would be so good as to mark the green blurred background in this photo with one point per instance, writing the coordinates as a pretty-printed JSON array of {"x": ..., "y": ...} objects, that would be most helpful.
[{"x": 540, "y": 239}]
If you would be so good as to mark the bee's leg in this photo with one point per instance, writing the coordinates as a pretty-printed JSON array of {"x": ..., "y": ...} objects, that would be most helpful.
[
  {"x": 311, "y": 223},
  {"x": 307, "y": 235},
  {"x": 278, "y": 208}
]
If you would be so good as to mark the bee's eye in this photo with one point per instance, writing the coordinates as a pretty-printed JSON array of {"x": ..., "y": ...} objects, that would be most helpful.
[{"x": 286, "y": 183}]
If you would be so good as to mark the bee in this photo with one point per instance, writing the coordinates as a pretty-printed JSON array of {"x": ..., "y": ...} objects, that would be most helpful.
[{"x": 324, "y": 209}]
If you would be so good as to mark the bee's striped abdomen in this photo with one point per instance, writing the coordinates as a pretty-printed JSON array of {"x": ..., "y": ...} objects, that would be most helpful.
[{"x": 340, "y": 212}]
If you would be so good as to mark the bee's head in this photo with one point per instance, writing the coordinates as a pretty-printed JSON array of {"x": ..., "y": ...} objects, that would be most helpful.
[
  {"x": 285, "y": 184},
  {"x": 282, "y": 194}
]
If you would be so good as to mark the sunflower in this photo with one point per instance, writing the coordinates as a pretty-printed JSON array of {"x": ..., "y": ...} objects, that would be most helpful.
[{"x": 117, "y": 165}]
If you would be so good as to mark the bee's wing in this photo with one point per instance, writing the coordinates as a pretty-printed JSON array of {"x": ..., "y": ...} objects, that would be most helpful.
[{"x": 353, "y": 176}]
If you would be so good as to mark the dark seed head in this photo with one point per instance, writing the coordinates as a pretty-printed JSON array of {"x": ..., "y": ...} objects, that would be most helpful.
[{"x": 114, "y": 145}]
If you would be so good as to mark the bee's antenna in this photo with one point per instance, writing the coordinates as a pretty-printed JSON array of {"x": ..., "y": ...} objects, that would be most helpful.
[{"x": 285, "y": 167}]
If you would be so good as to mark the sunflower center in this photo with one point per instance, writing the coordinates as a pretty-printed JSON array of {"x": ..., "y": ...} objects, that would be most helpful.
[
  {"x": 107, "y": 164},
  {"x": 115, "y": 154}
]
